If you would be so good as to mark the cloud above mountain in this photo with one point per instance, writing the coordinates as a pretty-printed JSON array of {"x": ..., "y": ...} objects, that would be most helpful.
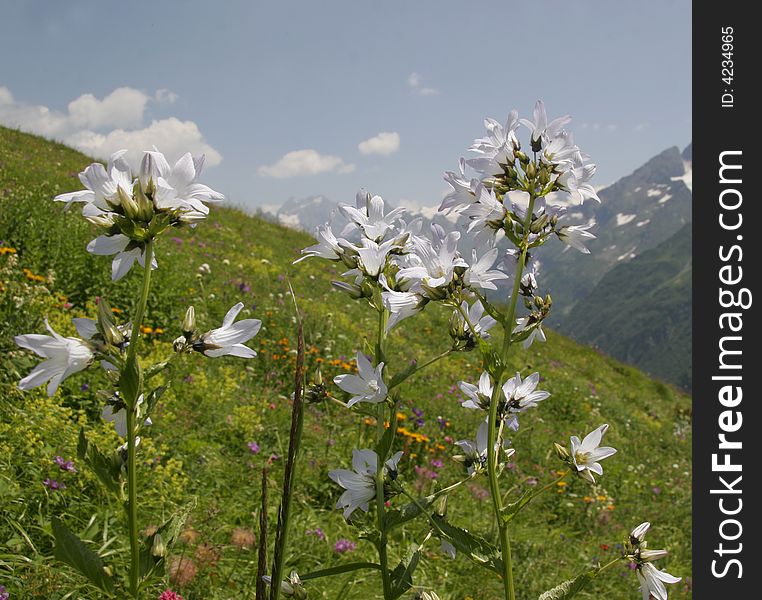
[{"x": 101, "y": 126}]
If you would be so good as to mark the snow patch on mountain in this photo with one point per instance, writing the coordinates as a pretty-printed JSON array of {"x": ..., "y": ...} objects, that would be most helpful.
[{"x": 622, "y": 219}]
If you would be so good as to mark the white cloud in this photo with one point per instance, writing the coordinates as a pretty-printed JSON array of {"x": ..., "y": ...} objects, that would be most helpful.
[
  {"x": 99, "y": 127},
  {"x": 305, "y": 162},
  {"x": 415, "y": 84},
  {"x": 172, "y": 136},
  {"x": 122, "y": 108},
  {"x": 385, "y": 143}
]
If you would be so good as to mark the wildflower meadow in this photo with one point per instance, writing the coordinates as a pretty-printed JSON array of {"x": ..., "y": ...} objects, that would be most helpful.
[{"x": 198, "y": 403}]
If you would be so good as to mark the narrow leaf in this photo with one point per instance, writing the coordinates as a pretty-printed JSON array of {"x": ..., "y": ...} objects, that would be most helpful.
[
  {"x": 570, "y": 588},
  {"x": 402, "y": 575},
  {"x": 74, "y": 552},
  {"x": 475, "y": 547}
]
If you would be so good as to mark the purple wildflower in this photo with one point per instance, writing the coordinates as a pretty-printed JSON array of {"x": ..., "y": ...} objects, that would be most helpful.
[
  {"x": 442, "y": 422},
  {"x": 84, "y": 387},
  {"x": 65, "y": 465},
  {"x": 437, "y": 464},
  {"x": 53, "y": 484},
  {"x": 254, "y": 447},
  {"x": 177, "y": 240},
  {"x": 4, "y": 595},
  {"x": 317, "y": 532},
  {"x": 341, "y": 546}
]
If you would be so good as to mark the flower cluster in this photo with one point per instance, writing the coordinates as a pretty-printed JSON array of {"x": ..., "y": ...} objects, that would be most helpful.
[
  {"x": 509, "y": 200},
  {"x": 134, "y": 209}
]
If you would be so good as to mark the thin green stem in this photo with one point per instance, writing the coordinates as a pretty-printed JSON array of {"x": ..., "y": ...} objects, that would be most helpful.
[
  {"x": 380, "y": 507},
  {"x": 419, "y": 368},
  {"x": 132, "y": 414},
  {"x": 492, "y": 431}
]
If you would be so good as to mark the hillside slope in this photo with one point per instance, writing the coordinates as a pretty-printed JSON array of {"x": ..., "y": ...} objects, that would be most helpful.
[
  {"x": 640, "y": 312},
  {"x": 200, "y": 441}
]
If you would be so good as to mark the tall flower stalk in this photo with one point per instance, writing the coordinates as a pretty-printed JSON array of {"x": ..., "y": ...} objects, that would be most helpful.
[
  {"x": 509, "y": 203},
  {"x": 132, "y": 212}
]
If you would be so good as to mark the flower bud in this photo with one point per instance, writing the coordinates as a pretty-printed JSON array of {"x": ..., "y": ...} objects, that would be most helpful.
[
  {"x": 128, "y": 204},
  {"x": 145, "y": 206},
  {"x": 544, "y": 176},
  {"x": 651, "y": 555},
  {"x": 354, "y": 291},
  {"x": 157, "y": 548},
  {"x": 106, "y": 325},
  {"x": 189, "y": 323},
  {"x": 539, "y": 224},
  {"x": 440, "y": 506},
  {"x": 562, "y": 452},
  {"x": 318, "y": 376},
  {"x": 531, "y": 170}
]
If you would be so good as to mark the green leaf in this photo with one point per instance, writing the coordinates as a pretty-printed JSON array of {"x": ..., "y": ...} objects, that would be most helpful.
[
  {"x": 402, "y": 575},
  {"x": 396, "y": 517},
  {"x": 107, "y": 471},
  {"x": 73, "y": 551},
  {"x": 475, "y": 547},
  {"x": 169, "y": 530},
  {"x": 385, "y": 443},
  {"x": 131, "y": 381},
  {"x": 400, "y": 377},
  {"x": 154, "y": 397},
  {"x": 569, "y": 588},
  {"x": 513, "y": 508}
]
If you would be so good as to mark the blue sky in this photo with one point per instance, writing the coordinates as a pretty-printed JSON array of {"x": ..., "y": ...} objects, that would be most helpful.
[{"x": 282, "y": 94}]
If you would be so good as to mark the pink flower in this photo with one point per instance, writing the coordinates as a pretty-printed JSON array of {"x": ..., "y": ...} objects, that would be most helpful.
[{"x": 170, "y": 595}]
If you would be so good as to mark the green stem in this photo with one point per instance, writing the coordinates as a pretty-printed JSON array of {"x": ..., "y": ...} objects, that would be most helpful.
[
  {"x": 428, "y": 363},
  {"x": 132, "y": 414},
  {"x": 380, "y": 508},
  {"x": 497, "y": 498}
]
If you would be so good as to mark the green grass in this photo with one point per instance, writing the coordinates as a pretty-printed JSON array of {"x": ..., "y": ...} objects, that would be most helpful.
[{"x": 198, "y": 444}]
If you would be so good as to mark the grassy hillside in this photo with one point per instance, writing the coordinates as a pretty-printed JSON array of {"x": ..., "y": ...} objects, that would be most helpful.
[
  {"x": 200, "y": 443},
  {"x": 640, "y": 312}
]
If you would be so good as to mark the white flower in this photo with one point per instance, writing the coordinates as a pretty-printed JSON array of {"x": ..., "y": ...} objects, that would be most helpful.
[
  {"x": 541, "y": 130},
  {"x": 520, "y": 396},
  {"x": 116, "y": 412},
  {"x": 481, "y": 274},
  {"x": 482, "y": 323},
  {"x": 118, "y": 244},
  {"x": 367, "y": 386},
  {"x": 537, "y": 333},
  {"x": 652, "y": 581},
  {"x": 360, "y": 484},
  {"x": 369, "y": 215},
  {"x": 588, "y": 452},
  {"x": 487, "y": 215},
  {"x": 431, "y": 595},
  {"x": 475, "y": 452},
  {"x": 65, "y": 356},
  {"x": 638, "y": 534},
  {"x": 102, "y": 183},
  {"x": 462, "y": 193},
  {"x": 177, "y": 188},
  {"x": 372, "y": 256},
  {"x": 497, "y": 148},
  {"x": 576, "y": 236},
  {"x": 400, "y": 305},
  {"x": 478, "y": 396},
  {"x": 328, "y": 246},
  {"x": 434, "y": 266},
  {"x": 576, "y": 183},
  {"x": 292, "y": 586},
  {"x": 228, "y": 340}
]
